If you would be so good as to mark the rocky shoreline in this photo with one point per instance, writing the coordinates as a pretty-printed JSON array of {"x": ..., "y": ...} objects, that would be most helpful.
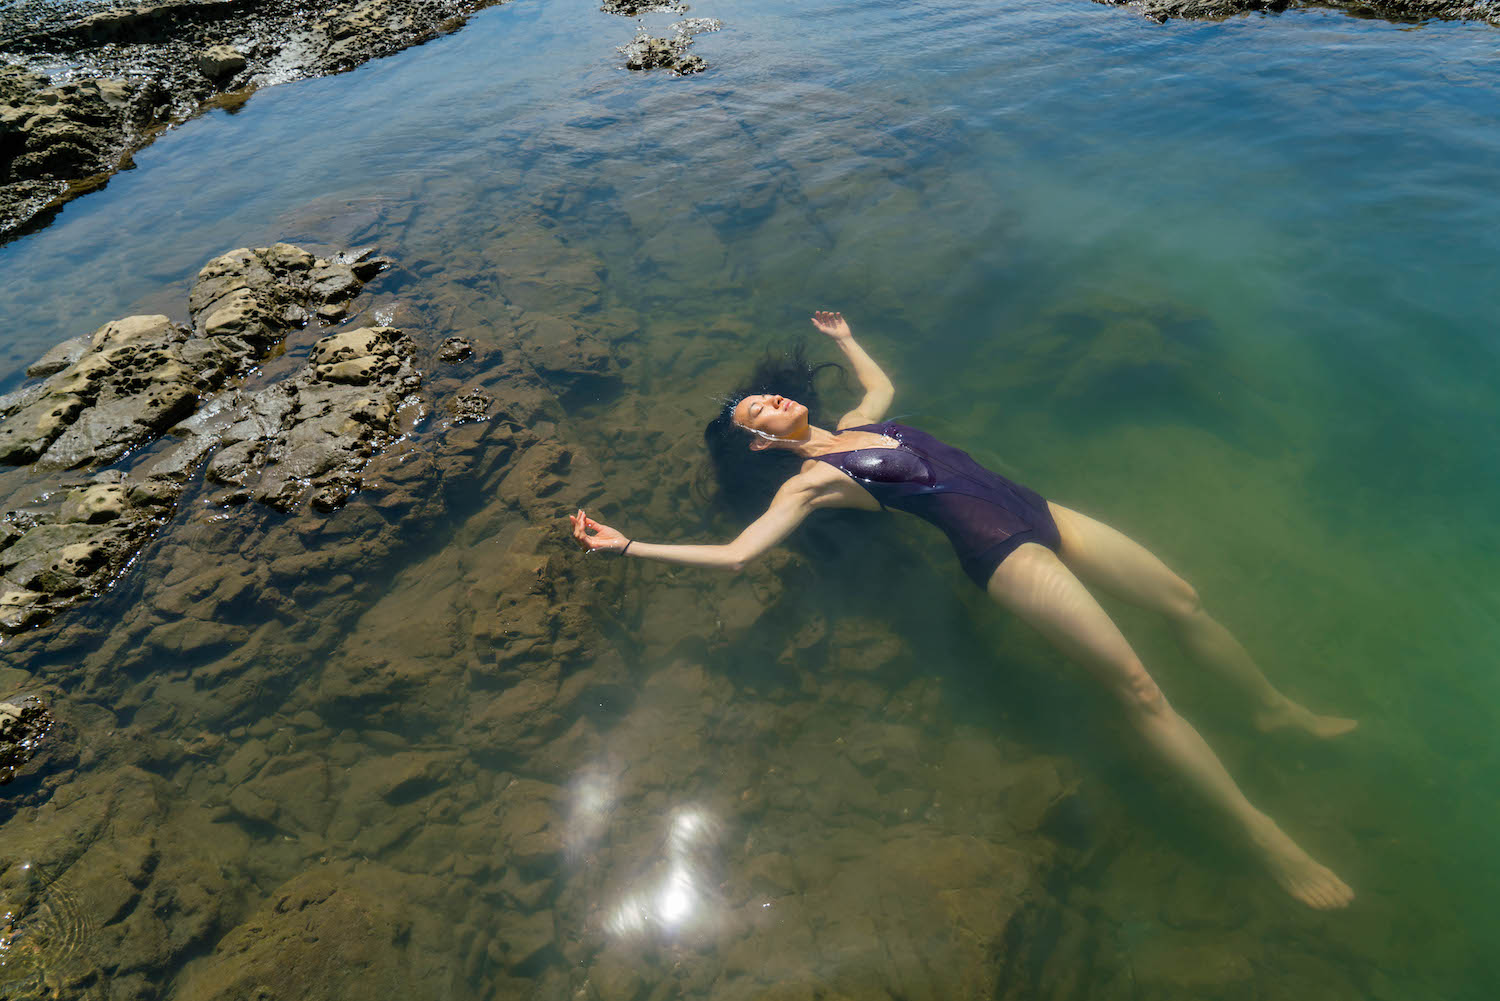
[
  {"x": 1400, "y": 11},
  {"x": 128, "y": 72}
]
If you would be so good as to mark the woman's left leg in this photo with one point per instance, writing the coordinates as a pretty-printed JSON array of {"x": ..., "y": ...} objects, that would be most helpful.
[
  {"x": 1035, "y": 585},
  {"x": 1107, "y": 559}
]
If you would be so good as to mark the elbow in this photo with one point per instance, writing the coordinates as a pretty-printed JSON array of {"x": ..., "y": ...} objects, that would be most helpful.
[{"x": 736, "y": 565}]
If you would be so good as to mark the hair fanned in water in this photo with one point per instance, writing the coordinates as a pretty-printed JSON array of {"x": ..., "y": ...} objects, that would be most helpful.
[{"x": 746, "y": 481}]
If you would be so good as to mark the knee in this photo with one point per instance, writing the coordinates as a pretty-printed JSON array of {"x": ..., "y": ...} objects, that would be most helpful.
[
  {"x": 1181, "y": 600},
  {"x": 1140, "y": 694}
]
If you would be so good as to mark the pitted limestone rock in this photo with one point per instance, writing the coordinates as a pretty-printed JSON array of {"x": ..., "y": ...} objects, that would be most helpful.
[
  {"x": 101, "y": 397},
  {"x": 136, "y": 377},
  {"x": 333, "y": 416}
]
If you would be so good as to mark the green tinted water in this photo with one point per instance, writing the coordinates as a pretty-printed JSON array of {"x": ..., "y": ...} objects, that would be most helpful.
[{"x": 1226, "y": 287}]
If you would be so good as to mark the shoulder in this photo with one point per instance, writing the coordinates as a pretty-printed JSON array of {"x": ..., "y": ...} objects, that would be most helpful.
[
  {"x": 856, "y": 419},
  {"x": 821, "y": 484}
]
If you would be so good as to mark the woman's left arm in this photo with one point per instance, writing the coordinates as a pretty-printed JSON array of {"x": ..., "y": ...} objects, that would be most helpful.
[
  {"x": 878, "y": 389},
  {"x": 792, "y": 504}
]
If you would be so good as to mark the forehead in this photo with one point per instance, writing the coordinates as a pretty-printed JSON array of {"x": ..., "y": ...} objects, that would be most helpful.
[{"x": 742, "y": 408}]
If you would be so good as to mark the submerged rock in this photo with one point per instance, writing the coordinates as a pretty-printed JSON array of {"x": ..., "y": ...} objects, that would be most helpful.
[
  {"x": 24, "y": 723},
  {"x": 455, "y": 349}
]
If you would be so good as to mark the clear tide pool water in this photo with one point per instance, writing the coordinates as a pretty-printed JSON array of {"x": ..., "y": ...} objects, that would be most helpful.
[{"x": 1227, "y": 286}]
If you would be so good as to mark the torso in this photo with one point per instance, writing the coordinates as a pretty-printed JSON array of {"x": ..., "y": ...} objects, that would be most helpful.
[
  {"x": 838, "y": 489},
  {"x": 888, "y": 465}
]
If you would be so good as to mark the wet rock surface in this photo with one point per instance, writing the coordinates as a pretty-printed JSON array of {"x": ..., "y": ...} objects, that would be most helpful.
[
  {"x": 107, "y": 395},
  {"x": 24, "y": 724},
  {"x": 129, "y": 70},
  {"x": 1390, "y": 10},
  {"x": 647, "y": 52}
]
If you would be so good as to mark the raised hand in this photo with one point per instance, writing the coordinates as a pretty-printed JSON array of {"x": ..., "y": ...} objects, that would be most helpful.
[
  {"x": 596, "y": 535},
  {"x": 832, "y": 324}
]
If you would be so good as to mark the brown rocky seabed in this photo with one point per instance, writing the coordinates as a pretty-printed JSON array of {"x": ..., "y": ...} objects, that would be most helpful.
[
  {"x": 420, "y": 735},
  {"x": 418, "y": 811}
]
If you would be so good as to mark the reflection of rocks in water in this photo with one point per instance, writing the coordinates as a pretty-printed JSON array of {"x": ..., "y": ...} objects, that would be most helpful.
[
  {"x": 24, "y": 724},
  {"x": 103, "y": 397}
]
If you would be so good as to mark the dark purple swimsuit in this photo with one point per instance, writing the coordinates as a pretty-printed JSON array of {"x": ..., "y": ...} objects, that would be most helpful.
[{"x": 985, "y": 516}]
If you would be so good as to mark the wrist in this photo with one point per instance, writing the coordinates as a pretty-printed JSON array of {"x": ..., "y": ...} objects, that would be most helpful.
[{"x": 626, "y": 548}]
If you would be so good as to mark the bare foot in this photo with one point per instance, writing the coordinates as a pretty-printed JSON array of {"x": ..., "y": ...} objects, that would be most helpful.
[
  {"x": 1300, "y": 875},
  {"x": 1290, "y": 714}
]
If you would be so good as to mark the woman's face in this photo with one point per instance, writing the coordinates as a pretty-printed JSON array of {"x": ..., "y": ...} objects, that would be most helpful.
[{"x": 772, "y": 415}]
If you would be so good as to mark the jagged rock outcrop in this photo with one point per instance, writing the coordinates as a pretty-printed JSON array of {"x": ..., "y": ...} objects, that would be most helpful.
[{"x": 102, "y": 397}]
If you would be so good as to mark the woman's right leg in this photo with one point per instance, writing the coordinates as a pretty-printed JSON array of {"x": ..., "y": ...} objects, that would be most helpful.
[
  {"x": 1035, "y": 585},
  {"x": 1108, "y": 559}
]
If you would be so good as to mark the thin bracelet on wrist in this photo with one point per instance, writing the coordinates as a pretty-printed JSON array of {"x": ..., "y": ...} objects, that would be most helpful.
[{"x": 627, "y": 547}]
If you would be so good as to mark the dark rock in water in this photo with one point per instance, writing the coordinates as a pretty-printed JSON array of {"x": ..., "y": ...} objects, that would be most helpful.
[
  {"x": 134, "y": 69},
  {"x": 472, "y": 406},
  {"x": 104, "y": 397},
  {"x": 646, "y": 52},
  {"x": 1391, "y": 10},
  {"x": 455, "y": 349},
  {"x": 24, "y": 724},
  {"x": 635, "y": 8}
]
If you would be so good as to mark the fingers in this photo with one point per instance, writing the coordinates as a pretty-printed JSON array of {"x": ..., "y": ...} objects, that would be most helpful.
[{"x": 580, "y": 524}]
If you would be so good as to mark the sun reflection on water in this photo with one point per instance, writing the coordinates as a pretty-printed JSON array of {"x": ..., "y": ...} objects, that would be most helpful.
[{"x": 678, "y": 893}]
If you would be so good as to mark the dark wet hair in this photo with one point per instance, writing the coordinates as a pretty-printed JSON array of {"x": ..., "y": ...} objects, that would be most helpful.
[{"x": 745, "y": 481}]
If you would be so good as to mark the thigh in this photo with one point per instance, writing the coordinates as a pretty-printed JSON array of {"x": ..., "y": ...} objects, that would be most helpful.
[
  {"x": 1112, "y": 561},
  {"x": 1038, "y": 588}
]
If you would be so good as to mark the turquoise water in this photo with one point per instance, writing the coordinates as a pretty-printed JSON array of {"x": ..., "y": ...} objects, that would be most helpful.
[{"x": 1228, "y": 287}]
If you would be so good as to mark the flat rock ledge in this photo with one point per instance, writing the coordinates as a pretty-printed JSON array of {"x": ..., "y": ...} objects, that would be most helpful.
[
  {"x": 124, "y": 72},
  {"x": 103, "y": 398}
]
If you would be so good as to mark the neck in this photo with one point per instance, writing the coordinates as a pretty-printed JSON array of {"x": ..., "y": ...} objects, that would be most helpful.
[{"x": 815, "y": 443}]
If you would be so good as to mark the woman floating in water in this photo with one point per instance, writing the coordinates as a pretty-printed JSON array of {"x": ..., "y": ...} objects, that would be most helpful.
[{"x": 1028, "y": 553}]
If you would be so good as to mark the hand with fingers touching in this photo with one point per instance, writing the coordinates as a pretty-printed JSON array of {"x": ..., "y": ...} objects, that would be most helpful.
[
  {"x": 596, "y": 535},
  {"x": 832, "y": 324}
]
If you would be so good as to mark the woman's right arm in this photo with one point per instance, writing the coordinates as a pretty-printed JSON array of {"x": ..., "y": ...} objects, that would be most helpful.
[
  {"x": 796, "y": 499},
  {"x": 878, "y": 389}
]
